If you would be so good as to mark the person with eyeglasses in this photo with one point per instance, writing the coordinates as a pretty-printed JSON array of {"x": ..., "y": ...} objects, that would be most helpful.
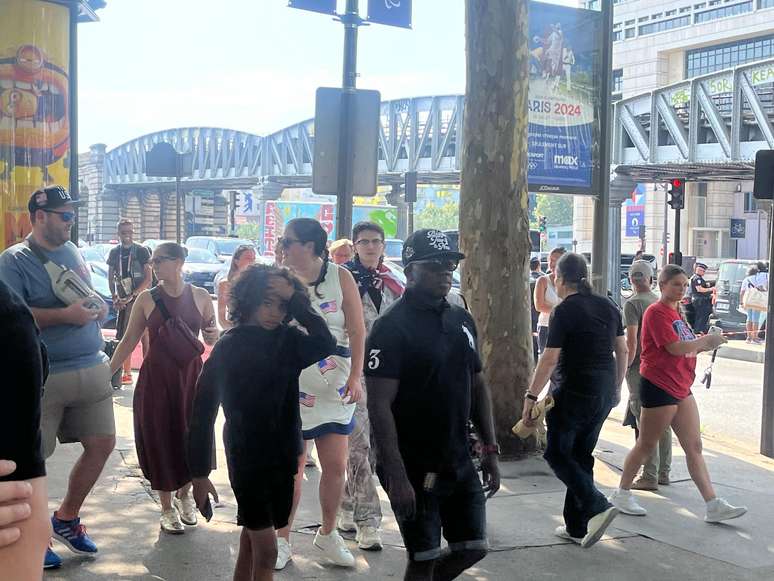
[
  {"x": 77, "y": 403},
  {"x": 129, "y": 273},
  {"x": 164, "y": 395},
  {"x": 361, "y": 510},
  {"x": 424, "y": 381},
  {"x": 330, "y": 388}
]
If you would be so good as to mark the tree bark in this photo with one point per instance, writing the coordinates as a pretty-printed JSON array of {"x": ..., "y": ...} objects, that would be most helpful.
[{"x": 494, "y": 220}]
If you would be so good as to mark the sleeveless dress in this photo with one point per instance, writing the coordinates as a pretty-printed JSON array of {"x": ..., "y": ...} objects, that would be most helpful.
[
  {"x": 321, "y": 386},
  {"x": 163, "y": 400}
]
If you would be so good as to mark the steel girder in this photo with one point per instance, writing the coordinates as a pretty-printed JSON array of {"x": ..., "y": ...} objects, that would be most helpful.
[
  {"x": 707, "y": 128},
  {"x": 422, "y": 134}
]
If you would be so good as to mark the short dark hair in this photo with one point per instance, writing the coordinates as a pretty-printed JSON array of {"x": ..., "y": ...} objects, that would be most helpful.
[
  {"x": 249, "y": 290},
  {"x": 361, "y": 227}
]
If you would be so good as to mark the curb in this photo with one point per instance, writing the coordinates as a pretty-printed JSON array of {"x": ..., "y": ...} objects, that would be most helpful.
[{"x": 741, "y": 354}]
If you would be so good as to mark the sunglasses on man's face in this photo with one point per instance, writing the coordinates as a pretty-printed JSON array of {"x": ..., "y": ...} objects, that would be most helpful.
[
  {"x": 439, "y": 264},
  {"x": 65, "y": 216}
]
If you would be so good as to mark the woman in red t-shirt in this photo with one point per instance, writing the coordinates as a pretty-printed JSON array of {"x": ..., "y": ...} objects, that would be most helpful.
[{"x": 668, "y": 369}]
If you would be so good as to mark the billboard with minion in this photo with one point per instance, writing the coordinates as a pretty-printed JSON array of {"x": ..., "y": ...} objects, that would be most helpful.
[{"x": 34, "y": 107}]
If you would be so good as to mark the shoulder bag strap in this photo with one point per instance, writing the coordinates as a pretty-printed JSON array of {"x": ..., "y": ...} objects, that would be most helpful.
[{"x": 160, "y": 303}]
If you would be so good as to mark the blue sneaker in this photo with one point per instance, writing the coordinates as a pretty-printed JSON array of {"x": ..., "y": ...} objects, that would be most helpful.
[
  {"x": 73, "y": 534},
  {"x": 53, "y": 561}
]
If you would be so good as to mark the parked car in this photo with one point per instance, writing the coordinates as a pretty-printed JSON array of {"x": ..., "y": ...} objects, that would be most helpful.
[
  {"x": 393, "y": 250},
  {"x": 729, "y": 283},
  {"x": 201, "y": 267},
  {"x": 152, "y": 243},
  {"x": 97, "y": 253},
  {"x": 220, "y": 247},
  {"x": 99, "y": 282}
]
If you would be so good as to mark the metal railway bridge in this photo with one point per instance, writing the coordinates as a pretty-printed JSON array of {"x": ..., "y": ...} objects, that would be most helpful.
[{"x": 707, "y": 129}]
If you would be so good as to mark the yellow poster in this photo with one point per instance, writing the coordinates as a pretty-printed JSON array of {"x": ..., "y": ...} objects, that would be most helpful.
[{"x": 34, "y": 107}]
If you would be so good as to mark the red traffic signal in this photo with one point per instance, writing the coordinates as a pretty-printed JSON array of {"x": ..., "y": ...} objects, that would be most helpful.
[{"x": 677, "y": 193}]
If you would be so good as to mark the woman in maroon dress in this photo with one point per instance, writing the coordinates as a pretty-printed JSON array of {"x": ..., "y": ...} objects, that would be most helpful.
[{"x": 165, "y": 389}]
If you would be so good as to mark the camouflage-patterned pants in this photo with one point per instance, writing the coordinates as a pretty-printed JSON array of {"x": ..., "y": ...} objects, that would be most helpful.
[{"x": 360, "y": 495}]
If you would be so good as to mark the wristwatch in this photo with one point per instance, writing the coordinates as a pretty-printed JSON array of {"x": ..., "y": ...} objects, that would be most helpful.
[
  {"x": 532, "y": 397},
  {"x": 487, "y": 449}
]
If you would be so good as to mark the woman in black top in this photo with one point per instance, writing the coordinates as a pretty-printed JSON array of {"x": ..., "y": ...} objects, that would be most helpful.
[
  {"x": 253, "y": 373},
  {"x": 25, "y": 528},
  {"x": 584, "y": 332}
]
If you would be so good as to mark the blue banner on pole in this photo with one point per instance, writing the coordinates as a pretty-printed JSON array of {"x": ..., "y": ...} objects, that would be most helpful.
[
  {"x": 323, "y": 6},
  {"x": 564, "y": 98},
  {"x": 390, "y": 12},
  {"x": 635, "y": 217}
]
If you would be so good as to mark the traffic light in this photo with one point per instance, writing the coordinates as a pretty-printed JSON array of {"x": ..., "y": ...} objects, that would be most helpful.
[
  {"x": 542, "y": 223},
  {"x": 677, "y": 193}
]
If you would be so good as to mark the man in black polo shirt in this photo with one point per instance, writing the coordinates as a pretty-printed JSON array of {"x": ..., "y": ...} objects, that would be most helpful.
[{"x": 424, "y": 376}]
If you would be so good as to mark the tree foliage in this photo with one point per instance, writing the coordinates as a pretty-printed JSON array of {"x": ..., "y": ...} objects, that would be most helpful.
[
  {"x": 441, "y": 217},
  {"x": 558, "y": 210}
]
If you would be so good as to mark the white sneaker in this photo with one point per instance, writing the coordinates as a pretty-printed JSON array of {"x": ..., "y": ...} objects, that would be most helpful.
[
  {"x": 368, "y": 538},
  {"x": 170, "y": 522},
  {"x": 334, "y": 549},
  {"x": 346, "y": 522},
  {"x": 561, "y": 532},
  {"x": 597, "y": 526},
  {"x": 187, "y": 509},
  {"x": 719, "y": 510},
  {"x": 284, "y": 554},
  {"x": 624, "y": 501}
]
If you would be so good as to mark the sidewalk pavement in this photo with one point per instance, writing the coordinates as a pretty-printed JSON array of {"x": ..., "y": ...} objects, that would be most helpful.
[
  {"x": 742, "y": 351},
  {"x": 671, "y": 543}
]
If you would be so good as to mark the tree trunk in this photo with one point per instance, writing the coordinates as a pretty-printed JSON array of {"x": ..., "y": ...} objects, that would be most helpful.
[{"x": 494, "y": 221}]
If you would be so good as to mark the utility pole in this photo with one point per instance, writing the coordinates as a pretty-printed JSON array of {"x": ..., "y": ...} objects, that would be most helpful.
[
  {"x": 351, "y": 20},
  {"x": 600, "y": 267}
]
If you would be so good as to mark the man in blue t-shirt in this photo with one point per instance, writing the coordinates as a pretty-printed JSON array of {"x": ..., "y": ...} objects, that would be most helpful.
[{"x": 77, "y": 401}]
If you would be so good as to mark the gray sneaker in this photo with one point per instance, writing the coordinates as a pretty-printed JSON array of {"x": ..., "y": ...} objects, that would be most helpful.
[{"x": 719, "y": 510}]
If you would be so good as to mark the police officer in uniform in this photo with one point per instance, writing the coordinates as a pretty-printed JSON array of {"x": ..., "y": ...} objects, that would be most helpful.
[
  {"x": 701, "y": 298},
  {"x": 423, "y": 374}
]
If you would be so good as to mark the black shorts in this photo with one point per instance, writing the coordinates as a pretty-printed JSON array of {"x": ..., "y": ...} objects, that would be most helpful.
[
  {"x": 265, "y": 502},
  {"x": 652, "y": 396},
  {"x": 456, "y": 507}
]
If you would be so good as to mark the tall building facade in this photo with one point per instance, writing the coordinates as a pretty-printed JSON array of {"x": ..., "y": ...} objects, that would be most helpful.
[{"x": 660, "y": 42}]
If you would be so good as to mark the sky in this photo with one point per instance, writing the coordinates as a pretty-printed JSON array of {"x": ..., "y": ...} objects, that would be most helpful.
[{"x": 251, "y": 65}]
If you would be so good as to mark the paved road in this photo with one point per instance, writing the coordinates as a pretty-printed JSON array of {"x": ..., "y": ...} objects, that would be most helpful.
[{"x": 731, "y": 408}]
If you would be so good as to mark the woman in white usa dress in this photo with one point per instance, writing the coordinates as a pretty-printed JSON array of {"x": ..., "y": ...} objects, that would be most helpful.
[{"x": 329, "y": 389}]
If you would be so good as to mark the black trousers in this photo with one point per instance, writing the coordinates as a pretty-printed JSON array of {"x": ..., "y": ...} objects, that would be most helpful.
[
  {"x": 573, "y": 430},
  {"x": 702, "y": 311}
]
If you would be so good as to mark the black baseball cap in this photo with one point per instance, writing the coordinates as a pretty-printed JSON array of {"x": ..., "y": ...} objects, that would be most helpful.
[
  {"x": 428, "y": 243},
  {"x": 50, "y": 198}
]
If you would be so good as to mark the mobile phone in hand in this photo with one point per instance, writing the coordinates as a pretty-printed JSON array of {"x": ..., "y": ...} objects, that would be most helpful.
[{"x": 206, "y": 510}]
